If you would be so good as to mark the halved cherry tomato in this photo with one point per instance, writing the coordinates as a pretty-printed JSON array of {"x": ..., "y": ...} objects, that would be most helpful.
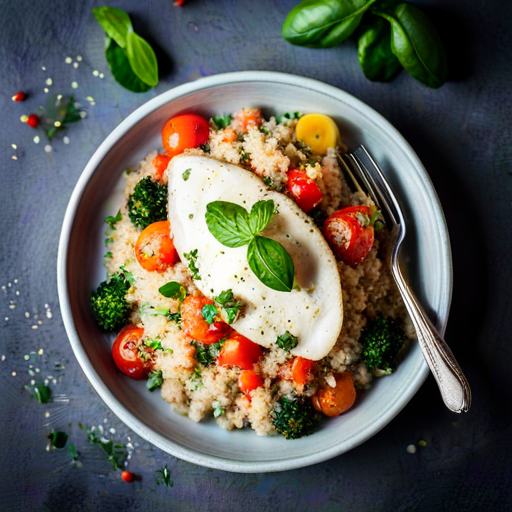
[
  {"x": 299, "y": 370},
  {"x": 195, "y": 326},
  {"x": 350, "y": 234},
  {"x": 249, "y": 117},
  {"x": 334, "y": 401},
  {"x": 239, "y": 351},
  {"x": 184, "y": 132},
  {"x": 154, "y": 248},
  {"x": 160, "y": 163},
  {"x": 130, "y": 355},
  {"x": 249, "y": 380},
  {"x": 304, "y": 190}
]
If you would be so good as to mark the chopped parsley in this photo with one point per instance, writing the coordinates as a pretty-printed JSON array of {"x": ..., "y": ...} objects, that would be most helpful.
[
  {"x": 228, "y": 305},
  {"x": 287, "y": 117},
  {"x": 287, "y": 341},
  {"x": 116, "y": 452},
  {"x": 154, "y": 344},
  {"x": 192, "y": 257},
  {"x": 206, "y": 354},
  {"x": 244, "y": 157},
  {"x": 186, "y": 174},
  {"x": 209, "y": 312},
  {"x": 163, "y": 477},
  {"x": 205, "y": 147},
  {"x": 264, "y": 131},
  {"x": 127, "y": 275},
  {"x": 217, "y": 409},
  {"x": 221, "y": 122},
  {"x": 112, "y": 221},
  {"x": 155, "y": 380}
]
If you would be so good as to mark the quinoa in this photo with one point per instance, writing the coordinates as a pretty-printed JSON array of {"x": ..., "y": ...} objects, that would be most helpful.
[{"x": 270, "y": 150}]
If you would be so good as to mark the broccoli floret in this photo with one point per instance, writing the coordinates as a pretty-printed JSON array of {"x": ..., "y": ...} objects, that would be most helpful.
[
  {"x": 148, "y": 203},
  {"x": 295, "y": 417},
  {"x": 382, "y": 340},
  {"x": 109, "y": 305}
]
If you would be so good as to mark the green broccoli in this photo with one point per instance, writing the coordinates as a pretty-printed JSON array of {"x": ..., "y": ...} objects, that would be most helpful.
[
  {"x": 382, "y": 340},
  {"x": 109, "y": 305},
  {"x": 148, "y": 203},
  {"x": 295, "y": 417}
]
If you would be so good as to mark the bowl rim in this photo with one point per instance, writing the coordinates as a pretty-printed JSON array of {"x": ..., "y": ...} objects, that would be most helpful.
[{"x": 108, "y": 397}]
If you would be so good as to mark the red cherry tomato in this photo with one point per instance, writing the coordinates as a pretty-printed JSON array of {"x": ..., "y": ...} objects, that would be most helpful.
[
  {"x": 154, "y": 248},
  {"x": 299, "y": 370},
  {"x": 127, "y": 476},
  {"x": 33, "y": 121},
  {"x": 334, "y": 401},
  {"x": 249, "y": 380},
  {"x": 239, "y": 351},
  {"x": 160, "y": 163},
  {"x": 304, "y": 190},
  {"x": 350, "y": 234},
  {"x": 184, "y": 132},
  {"x": 195, "y": 326},
  {"x": 129, "y": 354},
  {"x": 19, "y": 96}
]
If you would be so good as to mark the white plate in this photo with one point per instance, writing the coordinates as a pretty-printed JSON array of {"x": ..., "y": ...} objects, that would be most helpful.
[{"x": 80, "y": 269}]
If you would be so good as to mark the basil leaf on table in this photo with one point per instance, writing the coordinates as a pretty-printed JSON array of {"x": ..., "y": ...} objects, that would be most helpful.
[
  {"x": 323, "y": 23},
  {"x": 115, "y": 23},
  {"x": 121, "y": 69},
  {"x": 376, "y": 58},
  {"x": 416, "y": 43},
  {"x": 142, "y": 59},
  {"x": 271, "y": 264},
  {"x": 228, "y": 223}
]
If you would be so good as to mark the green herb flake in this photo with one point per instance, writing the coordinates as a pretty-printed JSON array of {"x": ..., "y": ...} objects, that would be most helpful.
[
  {"x": 127, "y": 275},
  {"x": 217, "y": 409},
  {"x": 155, "y": 380},
  {"x": 206, "y": 354},
  {"x": 287, "y": 341},
  {"x": 40, "y": 391},
  {"x": 173, "y": 290},
  {"x": 221, "y": 122},
  {"x": 116, "y": 452},
  {"x": 205, "y": 147},
  {"x": 57, "y": 439},
  {"x": 186, "y": 174},
  {"x": 209, "y": 312},
  {"x": 112, "y": 221},
  {"x": 192, "y": 257},
  {"x": 175, "y": 317},
  {"x": 154, "y": 344},
  {"x": 229, "y": 305},
  {"x": 163, "y": 477}
]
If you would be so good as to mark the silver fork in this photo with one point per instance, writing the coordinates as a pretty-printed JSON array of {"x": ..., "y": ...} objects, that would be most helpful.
[{"x": 452, "y": 383}]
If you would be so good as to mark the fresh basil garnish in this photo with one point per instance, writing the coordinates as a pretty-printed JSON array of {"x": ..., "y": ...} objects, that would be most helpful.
[
  {"x": 112, "y": 221},
  {"x": 229, "y": 305},
  {"x": 271, "y": 264},
  {"x": 221, "y": 122},
  {"x": 234, "y": 226},
  {"x": 228, "y": 223},
  {"x": 173, "y": 290},
  {"x": 132, "y": 60}
]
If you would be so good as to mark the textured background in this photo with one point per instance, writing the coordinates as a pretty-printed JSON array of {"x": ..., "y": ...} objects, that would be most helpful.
[{"x": 462, "y": 133}]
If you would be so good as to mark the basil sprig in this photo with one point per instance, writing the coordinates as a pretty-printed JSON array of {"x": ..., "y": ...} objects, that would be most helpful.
[
  {"x": 132, "y": 60},
  {"x": 233, "y": 226}
]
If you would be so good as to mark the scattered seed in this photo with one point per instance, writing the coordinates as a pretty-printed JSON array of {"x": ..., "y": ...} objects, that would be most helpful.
[
  {"x": 40, "y": 351},
  {"x": 79, "y": 58},
  {"x": 68, "y": 60},
  {"x": 37, "y": 139},
  {"x": 14, "y": 157},
  {"x": 102, "y": 75},
  {"x": 43, "y": 68},
  {"x": 3, "y": 357},
  {"x": 65, "y": 140},
  {"x": 24, "y": 118},
  {"x": 26, "y": 357},
  {"x": 49, "y": 81},
  {"x": 46, "y": 89},
  {"x": 13, "y": 374},
  {"x": 13, "y": 146},
  {"x": 83, "y": 114},
  {"x": 6, "y": 318},
  {"x": 411, "y": 449},
  {"x": 27, "y": 314},
  {"x": 74, "y": 85},
  {"x": 47, "y": 414},
  {"x": 95, "y": 72},
  {"x": 48, "y": 148},
  {"x": 75, "y": 64},
  {"x": 422, "y": 443},
  {"x": 17, "y": 291},
  {"x": 57, "y": 124},
  {"x": 34, "y": 327}
]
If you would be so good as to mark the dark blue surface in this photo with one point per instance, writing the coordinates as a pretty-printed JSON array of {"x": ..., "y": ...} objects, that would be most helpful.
[{"x": 462, "y": 133}]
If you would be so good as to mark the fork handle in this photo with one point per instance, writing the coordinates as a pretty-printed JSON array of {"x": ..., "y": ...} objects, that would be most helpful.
[{"x": 452, "y": 383}]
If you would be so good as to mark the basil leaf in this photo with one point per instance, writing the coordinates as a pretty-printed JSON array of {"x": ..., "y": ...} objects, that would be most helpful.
[
  {"x": 230, "y": 306},
  {"x": 228, "y": 223},
  {"x": 261, "y": 214},
  {"x": 416, "y": 43},
  {"x": 112, "y": 221},
  {"x": 115, "y": 23},
  {"x": 376, "y": 58},
  {"x": 287, "y": 341},
  {"x": 173, "y": 290},
  {"x": 121, "y": 69},
  {"x": 209, "y": 312},
  {"x": 271, "y": 264},
  {"x": 155, "y": 380},
  {"x": 221, "y": 122},
  {"x": 142, "y": 59},
  {"x": 154, "y": 344},
  {"x": 323, "y": 23}
]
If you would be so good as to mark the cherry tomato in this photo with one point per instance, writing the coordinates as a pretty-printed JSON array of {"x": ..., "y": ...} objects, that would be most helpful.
[
  {"x": 195, "y": 326},
  {"x": 184, "y": 132},
  {"x": 299, "y": 370},
  {"x": 239, "y": 351},
  {"x": 249, "y": 117},
  {"x": 334, "y": 401},
  {"x": 154, "y": 248},
  {"x": 130, "y": 355},
  {"x": 33, "y": 121},
  {"x": 350, "y": 234},
  {"x": 160, "y": 163},
  {"x": 249, "y": 380},
  {"x": 304, "y": 190},
  {"x": 19, "y": 96},
  {"x": 127, "y": 476}
]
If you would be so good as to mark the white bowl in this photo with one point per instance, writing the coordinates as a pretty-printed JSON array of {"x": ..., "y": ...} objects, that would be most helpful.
[{"x": 80, "y": 269}]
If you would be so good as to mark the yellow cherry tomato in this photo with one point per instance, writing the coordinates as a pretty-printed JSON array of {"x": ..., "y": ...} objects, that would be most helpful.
[{"x": 317, "y": 131}]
